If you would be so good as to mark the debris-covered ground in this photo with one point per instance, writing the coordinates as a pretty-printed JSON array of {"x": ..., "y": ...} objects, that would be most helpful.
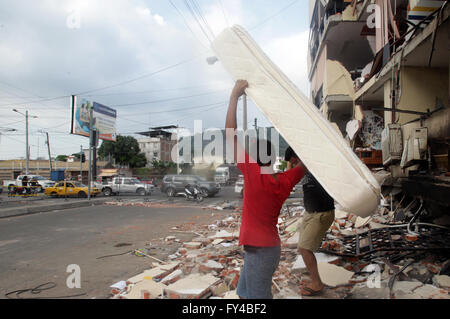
[{"x": 374, "y": 258}]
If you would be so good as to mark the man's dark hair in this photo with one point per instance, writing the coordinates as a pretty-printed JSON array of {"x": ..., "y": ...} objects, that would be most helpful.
[
  {"x": 289, "y": 154},
  {"x": 264, "y": 144}
]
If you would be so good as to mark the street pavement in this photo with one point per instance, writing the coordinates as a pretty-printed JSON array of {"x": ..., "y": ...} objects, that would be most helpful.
[{"x": 36, "y": 249}]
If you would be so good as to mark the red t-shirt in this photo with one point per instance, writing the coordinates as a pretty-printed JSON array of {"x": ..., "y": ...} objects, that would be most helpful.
[{"x": 263, "y": 198}]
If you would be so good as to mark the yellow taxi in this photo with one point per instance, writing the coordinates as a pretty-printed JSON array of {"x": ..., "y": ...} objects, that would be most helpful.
[{"x": 64, "y": 189}]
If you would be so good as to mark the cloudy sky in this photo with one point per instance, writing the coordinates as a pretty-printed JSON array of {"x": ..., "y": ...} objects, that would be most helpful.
[{"x": 144, "y": 58}]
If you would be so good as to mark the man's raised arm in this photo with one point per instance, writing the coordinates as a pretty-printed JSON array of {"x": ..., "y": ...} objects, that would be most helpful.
[{"x": 231, "y": 121}]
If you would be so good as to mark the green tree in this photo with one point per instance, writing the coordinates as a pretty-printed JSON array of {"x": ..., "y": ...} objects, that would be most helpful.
[
  {"x": 61, "y": 158},
  {"x": 283, "y": 166},
  {"x": 125, "y": 151}
]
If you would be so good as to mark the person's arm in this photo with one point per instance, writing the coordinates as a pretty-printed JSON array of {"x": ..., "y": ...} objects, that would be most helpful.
[{"x": 231, "y": 120}]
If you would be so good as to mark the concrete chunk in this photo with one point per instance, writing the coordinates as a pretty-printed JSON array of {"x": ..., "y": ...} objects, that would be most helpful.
[
  {"x": 426, "y": 292},
  {"x": 333, "y": 275},
  {"x": 194, "y": 286},
  {"x": 406, "y": 287},
  {"x": 299, "y": 264},
  {"x": 154, "y": 288},
  {"x": 211, "y": 265},
  {"x": 442, "y": 281},
  {"x": 231, "y": 295},
  {"x": 223, "y": 234},
  {"x": 360, "y": 222},
  {"x": 192, "y": 245},
  {"x": 171, "y": 278}
]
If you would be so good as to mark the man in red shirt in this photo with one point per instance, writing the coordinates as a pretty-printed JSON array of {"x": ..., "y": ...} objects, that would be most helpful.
[{"x": 264, "y": 195}]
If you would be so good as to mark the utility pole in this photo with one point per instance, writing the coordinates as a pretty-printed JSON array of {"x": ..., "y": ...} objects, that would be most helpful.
[
  {"x": 81, "y": 163},
  {"x": 49, "y": 154},
  {"x": 178, "y": 150},
  {"x": 27, "y": 146},
  {"x": 91, "y": 112},
  {"x": 28, "y": 150}
]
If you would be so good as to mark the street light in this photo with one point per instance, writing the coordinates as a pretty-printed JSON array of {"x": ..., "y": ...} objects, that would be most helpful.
[{"x": 27, "y": 148}]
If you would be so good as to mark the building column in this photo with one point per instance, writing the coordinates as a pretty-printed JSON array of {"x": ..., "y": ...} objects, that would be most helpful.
[{"x": 387, "y": 101}]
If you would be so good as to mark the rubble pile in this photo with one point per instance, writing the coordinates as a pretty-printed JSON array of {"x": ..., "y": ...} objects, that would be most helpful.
[{"x": 208, "y": 266}]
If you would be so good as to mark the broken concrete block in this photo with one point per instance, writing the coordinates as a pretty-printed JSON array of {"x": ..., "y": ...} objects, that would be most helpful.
[
  {"x": 362, "y": 291},
  {"x": 360, "y": 222},
  {"x": 232, "y": 280},
  {"x": 342, "y": 222},
  {"x": 154, "y": 288},
  {"x": 173, "y": 277},
  {"x": 192, "y": 245},
  {"x": 223, "y": 234},
  {"x": 170, "y": 238},
  {"x": 217, "y": 241},
  {"x": 140, "y": 277},
  {"x": 220, "y": 289},
  {"x": 170, "y": 266},
  {"x": 333, "y": 275},
  {"x": 231, "y": 295},
  {"x": 442, "y": 281},
  {"x": 211, "y": 265},
  {"x": 339, "y": 214},
  {"x": 426, "y": 292},
  {"x": 118, "y": 287},
  {"x": 287, "y": 293},
  {"x": 347, "y": 232},
  {"x": 158, "y": 272},
  {"x": 203, "y": 240},
  {"x": 405, "y": 287},
  {"x": 419, "y": 272},
  {"x": 299, "y": 264},
  {"x": 374, "y": 225},
  {"x": 194, "y": 286}
]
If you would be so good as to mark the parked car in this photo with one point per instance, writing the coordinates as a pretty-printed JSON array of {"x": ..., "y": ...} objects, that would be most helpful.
[
  {"x": 173, "y": 184},
  {"x": 42, "y": 182},
  {"x": 129, "y": 185},
  {"x": 63, "y": 189}
]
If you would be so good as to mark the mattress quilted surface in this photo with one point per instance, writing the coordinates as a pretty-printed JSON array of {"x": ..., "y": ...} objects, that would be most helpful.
[{"x": 323, "y": 151}]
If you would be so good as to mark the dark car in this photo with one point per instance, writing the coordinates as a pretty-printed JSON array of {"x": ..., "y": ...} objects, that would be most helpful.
[{"x": 173, "y": 184}]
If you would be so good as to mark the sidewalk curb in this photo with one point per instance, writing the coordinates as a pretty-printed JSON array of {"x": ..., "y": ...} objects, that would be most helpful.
[{"x": 29, "y": 210}]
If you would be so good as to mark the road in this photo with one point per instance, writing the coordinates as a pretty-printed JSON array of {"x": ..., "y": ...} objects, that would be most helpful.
[{"x": 37, "y": 249}]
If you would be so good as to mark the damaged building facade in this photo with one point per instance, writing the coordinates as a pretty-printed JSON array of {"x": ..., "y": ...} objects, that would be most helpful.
[{"x": 379, "y": 71}]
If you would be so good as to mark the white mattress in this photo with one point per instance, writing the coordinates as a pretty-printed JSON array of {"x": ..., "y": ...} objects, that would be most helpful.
[{"x": 311, "y": 135}]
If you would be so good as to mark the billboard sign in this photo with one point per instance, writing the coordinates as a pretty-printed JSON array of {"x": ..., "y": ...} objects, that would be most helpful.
[{"x": 104, "y": 119}]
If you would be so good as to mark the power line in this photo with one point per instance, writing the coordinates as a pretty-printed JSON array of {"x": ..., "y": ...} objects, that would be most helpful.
[
  {"x": 219, "y": 105},
  {"x": 167, "y": 100},
  {"x": 38, "y": 101},
  {"x": 202, "y": 17},
  {"x": 187, "y": 24},
  {"x": 148, "y": 91},
  {"x": 274, "y": 15},
  {"x": 224, "y": 12},
  {"x": 196, "y": 18},
  {"x": 140, "y": 77},
  {"x": 176, "y": 110}
]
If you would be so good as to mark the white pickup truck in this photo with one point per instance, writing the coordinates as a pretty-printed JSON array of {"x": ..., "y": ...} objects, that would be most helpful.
[
  {"x": 42, "y": 182},
  {"x": 129, "y": 185}
]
